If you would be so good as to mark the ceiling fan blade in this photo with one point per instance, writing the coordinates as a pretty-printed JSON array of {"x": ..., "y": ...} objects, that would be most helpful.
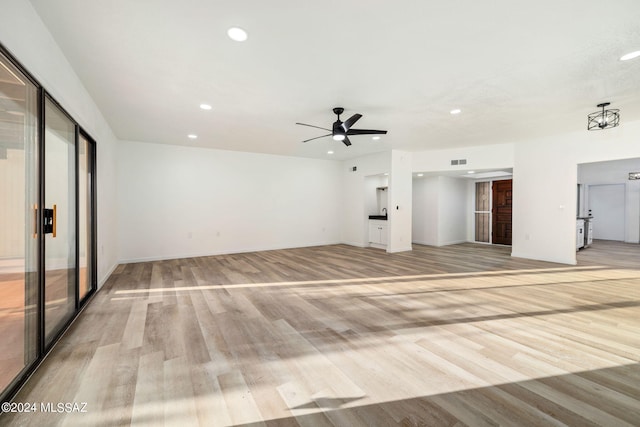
[
  {"x": 312, "y": 126},
  {"x": 317, "y": 137},
  {"x": 366, "y": 132},
  {"x": 346, "y": 141},
  {"x": 350, "y": 121}
]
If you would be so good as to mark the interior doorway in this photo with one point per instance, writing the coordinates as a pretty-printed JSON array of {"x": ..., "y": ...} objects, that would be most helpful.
[
  {"x": 609, "y": 196},
  {"x": 493, "y": 211}
]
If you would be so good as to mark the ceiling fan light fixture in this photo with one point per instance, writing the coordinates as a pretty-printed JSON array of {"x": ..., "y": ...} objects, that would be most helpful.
[
  {"x": 630, "y": 55},
  {"x": 237, "y": 34},
  {"x": 338, "y": 137},
  {"x": 603, "y": 119}
]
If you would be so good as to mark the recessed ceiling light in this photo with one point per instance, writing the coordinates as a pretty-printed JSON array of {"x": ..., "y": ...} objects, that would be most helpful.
[
  {"x": 329, "y": 152},
  {"x": 192, "y": 136},
  {"x": 455, "y": 111},
  {"x": 386, "y": 174},
  {"x": 237, "y": 34},
  {"x": 420, "y": 174},
  {"x": 471, "y": 171},
  {"x": 205, "y": 106},
  {"x": 375, "y": 138},
  {"x": 630, "y": 55}
]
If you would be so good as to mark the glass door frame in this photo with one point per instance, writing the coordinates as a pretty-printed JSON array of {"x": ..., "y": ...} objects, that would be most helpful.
[
  {"x": 43, "y": 349},
  {"x": 476, "y": 211},
  {"x": 92, "y": 216}
]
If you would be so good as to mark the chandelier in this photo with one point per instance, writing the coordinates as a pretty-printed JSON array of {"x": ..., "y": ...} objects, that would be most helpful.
[{"x": 603, "y": 119}]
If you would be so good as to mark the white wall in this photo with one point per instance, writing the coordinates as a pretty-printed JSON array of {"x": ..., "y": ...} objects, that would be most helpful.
[
  {"x": 425, "y": 210},
  {"x": 544, "y": 187},
  {"x": 440, "y": 210},
  {"x": 373, "y": 197},
  {"x": 400, "y": 201},
  {"x": 453, "y": 211},
  {"x": 606, "y": 202},
  {"x": 487, "y": 157},
  {"x": 25, "y": 36},
  {"x": 183, "y": 201},
  {"x": 632, "y": 212}
]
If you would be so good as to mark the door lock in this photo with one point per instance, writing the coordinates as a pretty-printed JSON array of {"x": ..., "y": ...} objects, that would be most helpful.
[{"x": 50, "y": 216}]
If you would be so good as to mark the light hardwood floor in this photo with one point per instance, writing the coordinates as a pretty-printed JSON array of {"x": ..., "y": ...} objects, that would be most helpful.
[{"x": 344, "y": 336}]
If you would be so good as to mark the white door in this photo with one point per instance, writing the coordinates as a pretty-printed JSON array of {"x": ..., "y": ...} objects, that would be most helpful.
[{"x": 607, "y": 204}]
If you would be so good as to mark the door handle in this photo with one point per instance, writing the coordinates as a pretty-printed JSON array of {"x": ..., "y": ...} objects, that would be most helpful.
[
  {"x": 35, "y": 221},
  {"x": 50, "y": 221},
  {"x": 55, "y": 218}
]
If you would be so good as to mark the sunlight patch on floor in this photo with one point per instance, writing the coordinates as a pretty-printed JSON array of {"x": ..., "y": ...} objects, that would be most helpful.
[{"x": 422, "y": 277}]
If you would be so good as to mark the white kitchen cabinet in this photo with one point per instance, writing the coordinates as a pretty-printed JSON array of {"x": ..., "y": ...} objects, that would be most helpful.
[{"x": 378, "y": 233}]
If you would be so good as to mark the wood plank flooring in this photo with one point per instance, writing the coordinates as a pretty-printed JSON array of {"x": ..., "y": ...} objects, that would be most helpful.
[{"x": 344, "y": 336}]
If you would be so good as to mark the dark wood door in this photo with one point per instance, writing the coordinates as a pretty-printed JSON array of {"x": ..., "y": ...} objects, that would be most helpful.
[{"x": 501, "y": 210}]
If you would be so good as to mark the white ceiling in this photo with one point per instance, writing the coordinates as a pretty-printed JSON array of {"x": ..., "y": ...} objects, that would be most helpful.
[{"x": 516, "y": 69}]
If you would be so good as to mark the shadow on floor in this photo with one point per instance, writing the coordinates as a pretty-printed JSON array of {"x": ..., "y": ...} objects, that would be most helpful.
[{"x": 603, "y": 397}]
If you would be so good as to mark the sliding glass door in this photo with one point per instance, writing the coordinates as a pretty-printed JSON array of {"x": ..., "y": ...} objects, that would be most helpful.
[
  {"x": 18, "y": 222},
  {"x": 60, "y": 219},
  {"x": 47, "y": 225}
]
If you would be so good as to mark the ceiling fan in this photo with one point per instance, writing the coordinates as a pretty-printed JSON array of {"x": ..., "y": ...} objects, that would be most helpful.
[{"x": 342, "y": 130}]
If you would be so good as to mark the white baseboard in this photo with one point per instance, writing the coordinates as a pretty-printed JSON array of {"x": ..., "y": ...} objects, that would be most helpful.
[
  {"x": 356, "y": 244},
  {"x": 106, "y": 276},
  {"x": 401, "y": 249},
  {"x": 420, "y": 242},
  {"x": 453, "y": 242},
  {"x": 537, "y": 258},
  {"x": 378, "y": 246}
]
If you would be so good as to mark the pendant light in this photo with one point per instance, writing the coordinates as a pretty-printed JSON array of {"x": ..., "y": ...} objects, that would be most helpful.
[{"x": 604, "y": 119}]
